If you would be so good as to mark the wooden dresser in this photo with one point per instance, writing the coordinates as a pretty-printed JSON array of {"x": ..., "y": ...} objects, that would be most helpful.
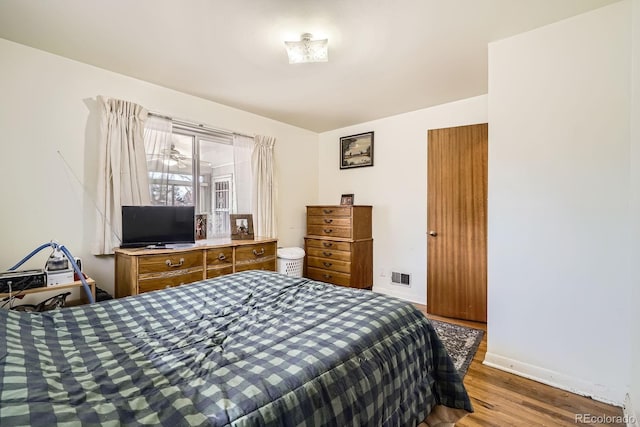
[
  {"x": 338, "y": 245},
  {"x": 142, "y": 270}
]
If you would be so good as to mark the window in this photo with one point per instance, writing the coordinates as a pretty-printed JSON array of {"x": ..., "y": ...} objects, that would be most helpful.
[
  {"x": 192, "y": 166},
  {"x": 223, "y": 196}
]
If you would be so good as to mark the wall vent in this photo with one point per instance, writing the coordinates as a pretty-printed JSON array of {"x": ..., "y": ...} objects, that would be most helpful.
[{"x": 401, "y": 278}]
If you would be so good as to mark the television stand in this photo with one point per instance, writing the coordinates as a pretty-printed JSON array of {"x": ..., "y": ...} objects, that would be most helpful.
[
  {"x": 143, "y": 270},
  {"x": 171, "y": 246},
  {"x": 179, "y": 245},
  {"x": 158, "y": 246}
]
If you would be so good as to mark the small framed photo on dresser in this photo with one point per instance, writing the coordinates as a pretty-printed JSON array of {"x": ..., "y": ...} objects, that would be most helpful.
[
  {"x": 201, "y": 226},
  {"x": 241, "y": 227},
  {"x": 346, "y": 199}
]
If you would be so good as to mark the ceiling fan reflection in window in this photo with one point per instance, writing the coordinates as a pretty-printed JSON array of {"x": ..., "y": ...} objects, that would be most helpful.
[
  {"x": 168, "y": 158},
  {"x": 172, "y": 158}
]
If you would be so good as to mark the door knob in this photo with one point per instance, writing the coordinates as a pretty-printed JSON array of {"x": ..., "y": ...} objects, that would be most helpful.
[{"x": 433, "y": 233}]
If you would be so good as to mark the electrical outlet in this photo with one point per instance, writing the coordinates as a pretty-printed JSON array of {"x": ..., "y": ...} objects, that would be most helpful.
[{"x": 383, "y": 273}]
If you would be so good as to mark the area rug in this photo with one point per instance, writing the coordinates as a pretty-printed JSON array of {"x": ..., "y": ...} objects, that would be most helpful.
[{"x": 461, "y": 343}]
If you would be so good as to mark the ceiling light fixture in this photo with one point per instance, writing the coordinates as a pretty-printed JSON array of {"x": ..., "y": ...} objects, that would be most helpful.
[{"x": 307, "y": 50}]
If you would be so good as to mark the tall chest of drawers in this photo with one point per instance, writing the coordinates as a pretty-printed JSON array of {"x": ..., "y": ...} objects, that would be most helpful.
[{"x": 339, "y": 246}]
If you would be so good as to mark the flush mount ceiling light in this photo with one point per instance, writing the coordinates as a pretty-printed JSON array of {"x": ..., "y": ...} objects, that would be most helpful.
[{"x": 307, "y": 50}]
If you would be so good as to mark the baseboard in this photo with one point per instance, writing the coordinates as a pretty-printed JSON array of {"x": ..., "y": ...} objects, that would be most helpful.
[
  {"x": 397, "y": 292},
  {"x": 556, "y": 379},
  {"x": 629, "y": 413}
]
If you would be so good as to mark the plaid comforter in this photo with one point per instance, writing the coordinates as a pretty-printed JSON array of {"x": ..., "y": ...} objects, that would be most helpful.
[{"x": 248, "y": 349}]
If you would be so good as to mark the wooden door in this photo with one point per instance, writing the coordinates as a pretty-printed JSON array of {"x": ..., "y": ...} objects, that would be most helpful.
[{"x": 457, "y": 222}]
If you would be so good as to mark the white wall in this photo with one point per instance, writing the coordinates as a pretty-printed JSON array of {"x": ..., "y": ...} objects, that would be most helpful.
[
  {"x": 559, "y": 220},
  {"x": 47, "y": 105},
  {"x": 396, "y": 187},
  {"x": 635, "y": 210}
]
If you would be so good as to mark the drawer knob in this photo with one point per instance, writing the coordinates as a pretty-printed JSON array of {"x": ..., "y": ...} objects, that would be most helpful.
[
  {"x": 328, "y": 221},
  {"x": 325, "y": 253},
  {"x": 327, "y": 211},
  {"x": 171, "y": 264},
  {"x": 258, "y": 253},
  {"x": 327, "y": 264},
  {"x": 327, "y": 276},
  {"x": 328, "y": 230},
  {"x": 222, "y": 257},
  {"x": 327, "y": 244}
]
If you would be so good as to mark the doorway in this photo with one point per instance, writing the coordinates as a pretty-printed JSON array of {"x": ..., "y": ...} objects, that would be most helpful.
[{"x": 457, "y": 222}]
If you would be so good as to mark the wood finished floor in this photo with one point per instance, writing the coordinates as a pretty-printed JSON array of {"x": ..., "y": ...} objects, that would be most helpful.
[{"x": 503, "y": 399}]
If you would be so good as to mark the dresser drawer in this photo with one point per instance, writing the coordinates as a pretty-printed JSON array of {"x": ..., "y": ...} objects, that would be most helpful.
[
  {"x": 329, "y": 264},
  {"x": 269, "y": 265},
  {"x": 168, "y": 281},
  {"x": 218, "y": 271},
  {"x": 255, "y": 253},
  {"x": 341, "y": 279},
  {"x": 256, "y": 257},
  {"x": 169, "y": 262},
  {"x": 329, "y": 231},
  {"x": 328, "y": 244},
  {"x": 329, "y": 254},
  {"x": 327, "y": 220},
  {"x": 222, "y": 257},
  {"x": 328, "y": 211}
]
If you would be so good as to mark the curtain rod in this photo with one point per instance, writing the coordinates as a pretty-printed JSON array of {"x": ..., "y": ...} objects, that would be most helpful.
[{"x": 198, "y": 125}]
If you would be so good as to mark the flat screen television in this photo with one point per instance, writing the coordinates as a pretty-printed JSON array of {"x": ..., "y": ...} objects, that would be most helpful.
[{"x": 157, "y": 226}]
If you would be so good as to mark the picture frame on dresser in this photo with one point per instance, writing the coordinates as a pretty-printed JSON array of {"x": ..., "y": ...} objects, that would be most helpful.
[
  {"x": 346, "y": 200},
  {"x": 241, "y": 226},
  {"x": 201, "y": 226}
]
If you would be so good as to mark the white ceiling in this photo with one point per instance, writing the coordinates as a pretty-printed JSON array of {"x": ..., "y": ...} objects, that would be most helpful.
[{"x": 385, "y": 57}]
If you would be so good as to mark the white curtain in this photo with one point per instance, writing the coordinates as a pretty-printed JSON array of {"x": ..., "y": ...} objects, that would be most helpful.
[
  {"x": 157, "y": 146},
  {"x": 264, "y": 187},
  {"x": 122, "y": 173},
  {"x": 242, "y": 149}
]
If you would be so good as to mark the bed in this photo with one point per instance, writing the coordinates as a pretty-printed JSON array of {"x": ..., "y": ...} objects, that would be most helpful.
[{"x": 249, "y": 349}]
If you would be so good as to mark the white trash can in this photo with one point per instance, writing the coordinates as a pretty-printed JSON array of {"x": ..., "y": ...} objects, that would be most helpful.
[{"x": 290, "y": 261}]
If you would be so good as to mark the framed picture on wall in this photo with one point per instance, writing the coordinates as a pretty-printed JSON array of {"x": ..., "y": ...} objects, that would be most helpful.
[{"x": 356, "y": 151}]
